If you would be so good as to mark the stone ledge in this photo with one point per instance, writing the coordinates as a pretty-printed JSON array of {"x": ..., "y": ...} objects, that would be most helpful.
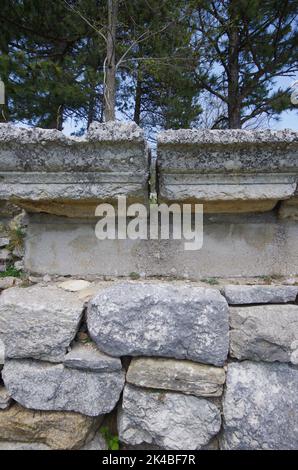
[
  {"x": 44, "y": 166},
  {"x": 227, "y": 170}
]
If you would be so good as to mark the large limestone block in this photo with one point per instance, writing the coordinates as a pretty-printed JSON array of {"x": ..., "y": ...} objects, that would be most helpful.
[
  {"x": 45, "y": 171},
  {"x": 266, "y": 333},
  {"x": 260, "y": 294},
  {"x": 170, "y": 420},
  {"x": 182, "y": 376},
  {"x": 235, "y": 245},
  {"x": 227, "y": 170},
  {"x": 57, "y": 430},
  {"x": 260, "y": 407},
  {"x": 46, "y": 386},
  {"x": 39, "y": 322},
  {"x": 145, "y": 319}
]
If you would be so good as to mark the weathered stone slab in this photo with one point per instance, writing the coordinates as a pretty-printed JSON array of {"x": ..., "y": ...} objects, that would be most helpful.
[
  {"x": 227, "y": 170},
  {"x": 264, "y": 333},
  {"x": 87, "y": 356},
  {"x": 260, "y": 294},
  {"x": 57, "y": 430},
  {"x": 144, "y": 319},
  {"x": 170, "y": 420},
  {"x": 5, "y": 399},
  {"x": 39, "y": 321},
  {"x": 260, "y": 407},
  {"x": 46, "y": 386},
  {"x": 43, "y": 170},
  {"x": 182, "y": 376},
  {"x": 264, "y": 246}
]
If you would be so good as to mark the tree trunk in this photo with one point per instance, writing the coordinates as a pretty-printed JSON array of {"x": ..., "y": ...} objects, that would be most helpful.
[
  {"x": 138, "y": 101},
  {"x": 56, "y": 121},
  {"x": 91, "y": 110},
  {"x": 4, "y": 77},
  {"x": 234, "y": 102},
  {"x": 110, "y": 79}
]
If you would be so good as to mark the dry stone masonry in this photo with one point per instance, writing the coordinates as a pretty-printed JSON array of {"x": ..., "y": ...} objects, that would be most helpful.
[{"x": 169, "y": 349}]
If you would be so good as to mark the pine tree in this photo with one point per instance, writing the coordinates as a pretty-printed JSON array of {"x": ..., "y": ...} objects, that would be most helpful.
[
  {"x": 244, "y": 46},
  {"x": 51, "y": 63}
]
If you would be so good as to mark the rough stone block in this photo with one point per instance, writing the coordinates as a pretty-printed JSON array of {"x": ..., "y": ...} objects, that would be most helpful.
[
  {"x": 237, "y": 295},
  {"x": 57, "y": 430},
  {"x": 265, "y": 333},
  {"x": 46, "y": 386},
  {"x": 260, "y": 407},
  {"x": 170, "y": 420},
  {"x": 181, "y": 376},
  {"x": 38, "y": 322},
  {"x": 87, "y": 356},
  {"x": 144, "y": 319}
]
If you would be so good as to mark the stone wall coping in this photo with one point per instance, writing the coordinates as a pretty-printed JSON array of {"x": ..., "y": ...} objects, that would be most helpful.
[
  {"x": 202, "y": 137},
  {"x": 111, "y": 132}
]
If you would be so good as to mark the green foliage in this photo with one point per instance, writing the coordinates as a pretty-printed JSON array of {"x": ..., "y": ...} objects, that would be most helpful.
[
  {"x": 112, "y": 441},
  {"x": 16, "y": 238},
  {"x": 168, "y": 52},
  {"x": 245, "y": 45},
  {"x": 134, "y": 276},
  {"x": 11, "y": 271}
]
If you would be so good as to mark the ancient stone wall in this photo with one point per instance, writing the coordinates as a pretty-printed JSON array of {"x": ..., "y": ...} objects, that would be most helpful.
[{"x": 140, "y": 343}]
